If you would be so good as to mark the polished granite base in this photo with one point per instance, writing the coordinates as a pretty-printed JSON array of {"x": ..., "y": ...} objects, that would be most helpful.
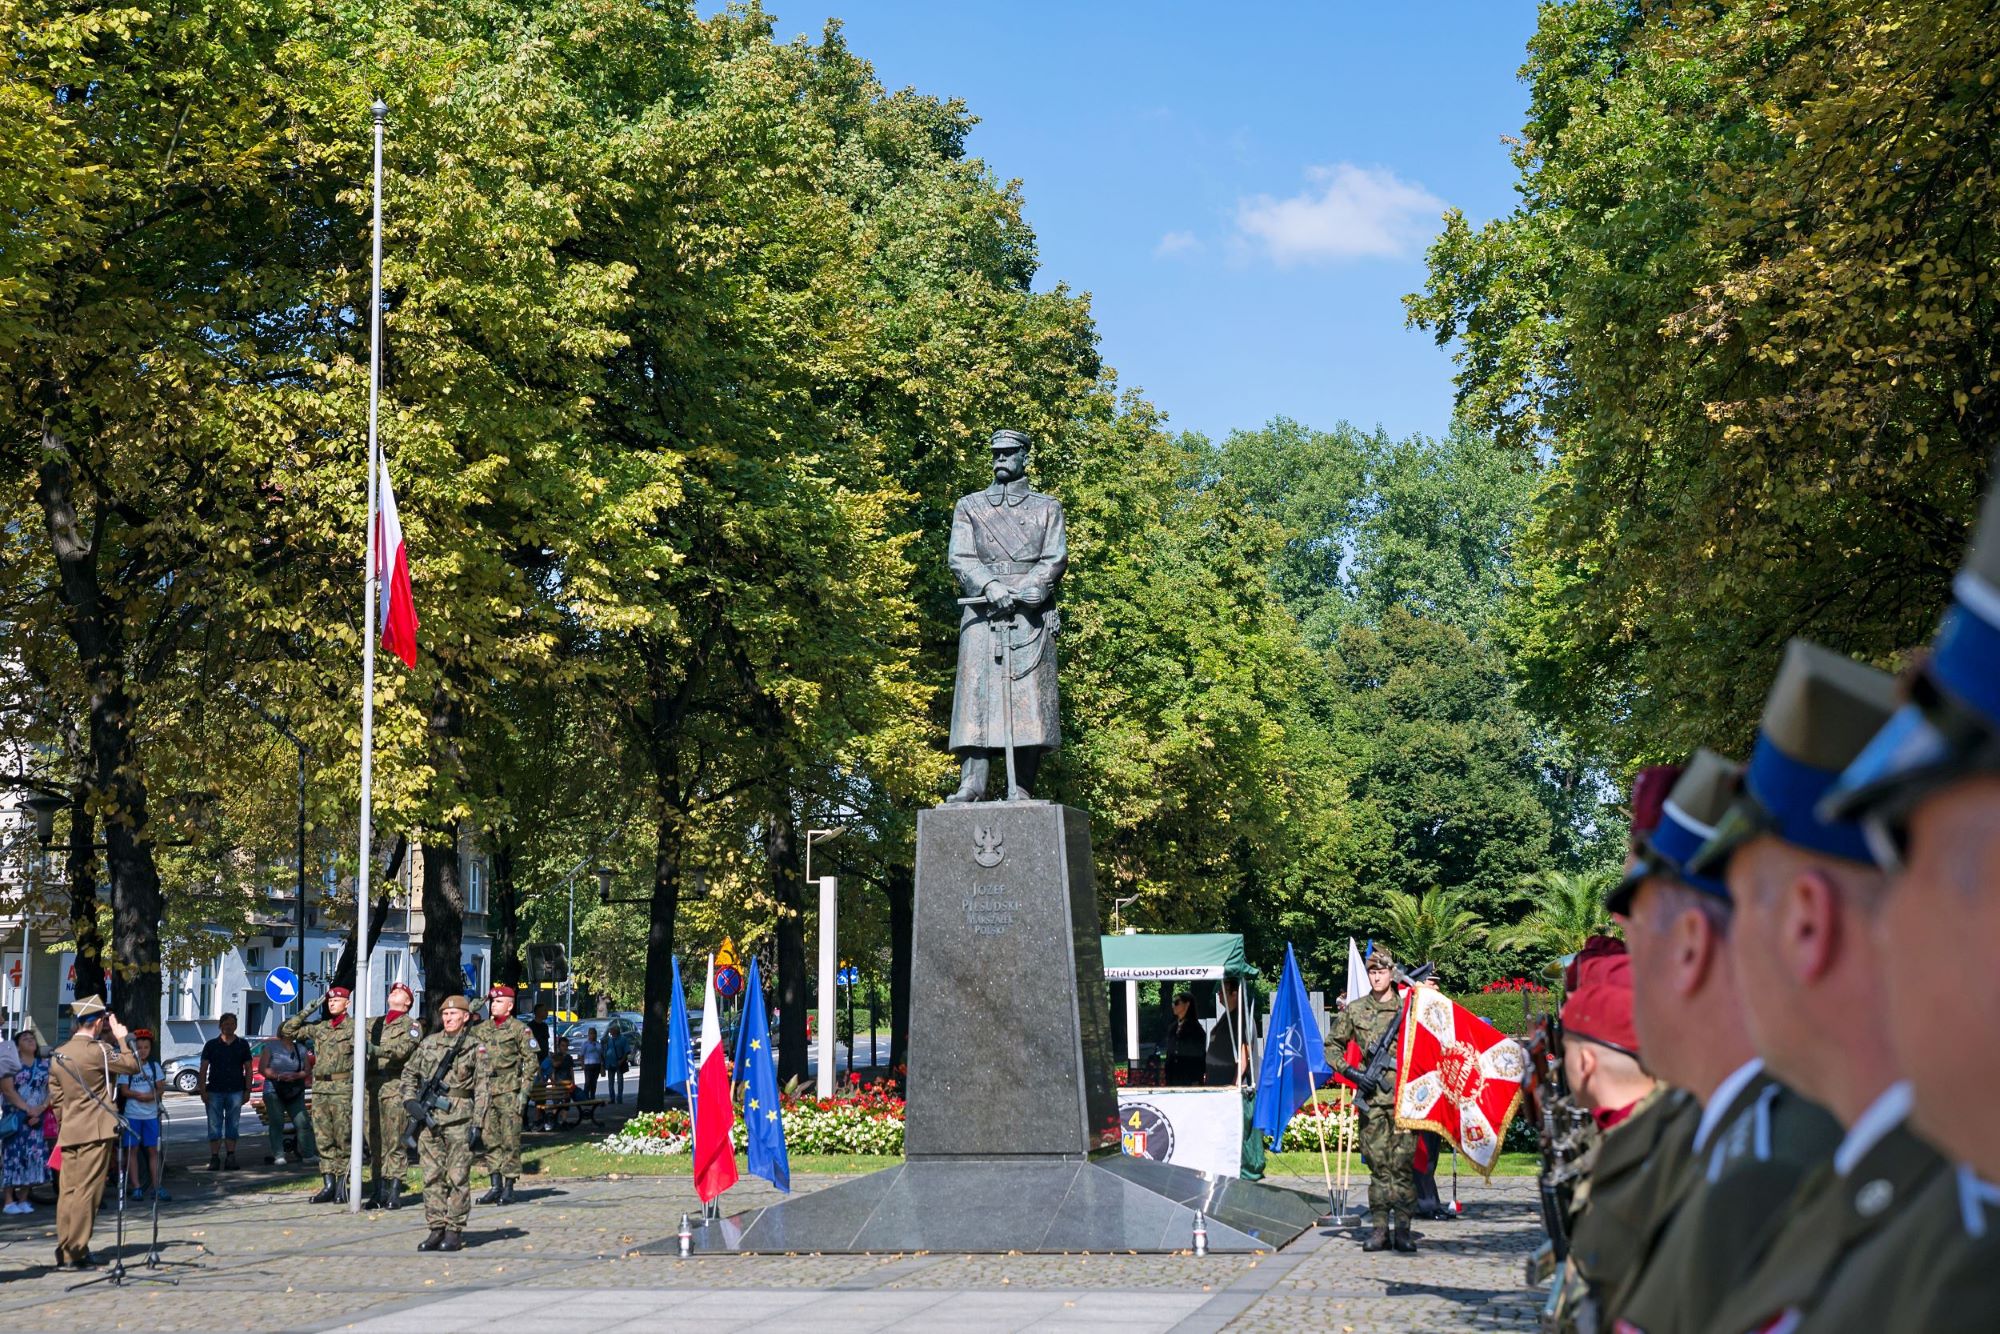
[{"x": 996, "y": 1206}]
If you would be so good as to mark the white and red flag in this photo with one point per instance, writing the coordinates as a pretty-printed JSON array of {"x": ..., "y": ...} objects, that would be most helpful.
[
  {"x": 1458, "y": 1075},
  {"x": 392, "y": 567},
  {"x": 714, "y": 1109}
]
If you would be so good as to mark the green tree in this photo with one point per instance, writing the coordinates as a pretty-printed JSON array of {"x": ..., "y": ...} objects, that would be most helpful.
[
  {"x": 1436, "y": 926},
  {"x": 1567, "y": 910}
]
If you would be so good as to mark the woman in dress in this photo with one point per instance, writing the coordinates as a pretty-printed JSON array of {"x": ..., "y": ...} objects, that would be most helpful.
[{"x": 24, "y": 1155}]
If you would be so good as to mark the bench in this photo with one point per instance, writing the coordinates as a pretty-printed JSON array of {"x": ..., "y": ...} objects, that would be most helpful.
[{"x": 556, "y": 1106}]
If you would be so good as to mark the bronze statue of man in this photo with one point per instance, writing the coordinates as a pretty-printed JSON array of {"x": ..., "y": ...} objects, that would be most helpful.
[{"x": 1008, "y": 552}]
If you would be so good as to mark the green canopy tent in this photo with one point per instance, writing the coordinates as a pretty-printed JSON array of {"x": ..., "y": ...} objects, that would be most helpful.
[{"x": 1133, "y": 958}]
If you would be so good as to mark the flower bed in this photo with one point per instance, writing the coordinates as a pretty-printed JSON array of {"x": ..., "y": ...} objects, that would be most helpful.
[{"x": 868, "y": 1120}]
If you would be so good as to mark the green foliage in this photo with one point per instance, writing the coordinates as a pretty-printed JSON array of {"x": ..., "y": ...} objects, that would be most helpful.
[
  {"x": 1568, "y": 909},
  {"x": 1436, "y": 927},
  {"x": 1742, "y": 306},
  {"x": 1508, "y": 1011}
]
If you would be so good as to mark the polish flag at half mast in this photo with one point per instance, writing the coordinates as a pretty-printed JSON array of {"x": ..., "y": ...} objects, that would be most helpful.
[
  {"x": 391, "y": 565},
  {"x": 714, "y": 1109}
]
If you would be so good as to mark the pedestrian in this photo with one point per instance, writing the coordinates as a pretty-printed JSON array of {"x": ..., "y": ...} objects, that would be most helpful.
[
  {"x": 81, "y": 1086},
  {"x": 140, "y": 1093},
  {"x": 591, "y": 1052},
  {"x": 513, "y": 1059},
  {"x": 617, "y": 1059},
  {"x": 332, "y": 1085},
  {"x": 562, "y": 1065},
  {"x": 1373, "y": 1021},
  {"x": 287, "y": 1070},
  {"x": 454, "y": 1066},
  {"x": 1184, "y": 1044},
  {"x": 392, "y": 1040},
  {"x": 539, "y": 1028},
  {"x": 24, "y": 1156},
  {"x": 223, "y": 1083}
]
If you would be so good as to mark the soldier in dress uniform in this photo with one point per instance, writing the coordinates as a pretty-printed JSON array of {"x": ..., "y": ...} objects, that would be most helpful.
[
  {"x": 515, "y": 1060},
  {"x": 1756, "y": 1155},
  {"x": 452, "y": 1135},
  {"x": 333, "y": 1086},
  {"x": 392, "y": 1038},
  {"x": 1806, "y": 901},
  {"x": 1689, "y": 1023},
  {"x": 1390, "y": 1153},
  {"x": 1927, "y": 793},
  {"x": 1009, "y": 550},
  {"x": 83, "y": 1084}
]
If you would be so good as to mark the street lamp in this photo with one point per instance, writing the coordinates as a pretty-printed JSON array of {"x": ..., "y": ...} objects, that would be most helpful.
[{"x": 43, "y": 806}]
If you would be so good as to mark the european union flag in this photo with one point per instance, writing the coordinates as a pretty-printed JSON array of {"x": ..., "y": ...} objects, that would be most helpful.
[
  {"x": 763, "y": 1119},
  {"x": 1294, "y": 1056},
  {"x": 682, "y": 1058}
]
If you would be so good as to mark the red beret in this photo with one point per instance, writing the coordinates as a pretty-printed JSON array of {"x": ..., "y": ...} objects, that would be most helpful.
[
  {"x": 1600, "y": 1007},
  {"x": 338, "y": 991},
  {"x": 1649, "y": 798},
  {"x": 502, "y": 989},
  {"x": 1597, "y": 947}
]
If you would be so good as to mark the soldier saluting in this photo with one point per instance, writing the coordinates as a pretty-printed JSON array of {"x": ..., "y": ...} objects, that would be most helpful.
[
  {"x": 1008, "y": 552},
  {"x": 446, "y": 1088}
]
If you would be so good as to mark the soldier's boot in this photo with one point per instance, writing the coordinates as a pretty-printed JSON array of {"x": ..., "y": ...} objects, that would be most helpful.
[
  {"x": 1404, "y": 1242},
  {"x": 328, "y": 1191},
  {"x": 507, "y": 1189},
  {"x": 340, "y": 1189},
  {"x": 374, "y": 1200},
  {"x": 392, "y": 1195},
  {"x": 972, "y": 781},
  {"x": 492, "y": 1196},
  {"x": 435, "y": 1241},
  {"x": 454, "y": 1240},
  {"x": 1378, "y": 1240}
]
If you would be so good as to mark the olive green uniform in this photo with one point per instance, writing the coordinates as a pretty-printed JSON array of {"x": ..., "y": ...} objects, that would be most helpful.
[
  {"x": 1764, "y": 1148},
  {"x": 1390, "y": 1153},
  {"x": 512, "y": 1056},
  {"x": 390, "y": 1046},
  {"x": 442, "y": 1148},
  {"x": 1640, "y": 1168},
  {"x": 332, "y": 1081},
  {"x": 1934, "y": 1268},
  {"x": 1832, "y": 1217}
]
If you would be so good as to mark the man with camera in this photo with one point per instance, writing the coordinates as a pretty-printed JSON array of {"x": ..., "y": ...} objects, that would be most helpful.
[
  {"x": 447, "y": 1087},
  {"x": 82, "y": 1082}
]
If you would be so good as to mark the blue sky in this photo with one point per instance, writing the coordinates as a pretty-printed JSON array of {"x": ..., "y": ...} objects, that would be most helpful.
[{"x": 1246, "y": 193}]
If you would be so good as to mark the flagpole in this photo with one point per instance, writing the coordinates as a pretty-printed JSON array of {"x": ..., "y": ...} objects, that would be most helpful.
[
  {"x": 1325, "y": 1167},
  {"x": 358, "y": 1010}
]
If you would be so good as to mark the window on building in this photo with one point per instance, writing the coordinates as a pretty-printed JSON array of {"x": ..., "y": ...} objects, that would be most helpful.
[
  {"x": 204, "y": 998},
  {"x": 292, "y": 960},
  {"x": 391, "y": 968},
  {"x": 475, "y": 885},
  {"x": 253, "y": 957},
  {"x": 329, "y": 961},
  {"x": 184, "y": 996}
]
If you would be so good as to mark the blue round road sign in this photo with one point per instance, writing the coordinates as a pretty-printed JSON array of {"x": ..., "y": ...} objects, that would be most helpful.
[
  {"x": 728, "y": 981},
  {"x": 282, "y": 986}
]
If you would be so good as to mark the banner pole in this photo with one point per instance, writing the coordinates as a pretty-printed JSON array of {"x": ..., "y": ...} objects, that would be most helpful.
[{"x": 358, "y": 1007}]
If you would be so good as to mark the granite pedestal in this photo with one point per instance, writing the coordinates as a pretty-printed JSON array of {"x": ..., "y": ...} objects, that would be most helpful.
[{"x": 1011, "y": 1133}]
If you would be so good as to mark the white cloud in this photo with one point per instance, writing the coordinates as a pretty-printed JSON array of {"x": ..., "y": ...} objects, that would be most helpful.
[
  {"x": 1176, "y": 243},
  {"x": 1347, "y": 212}
]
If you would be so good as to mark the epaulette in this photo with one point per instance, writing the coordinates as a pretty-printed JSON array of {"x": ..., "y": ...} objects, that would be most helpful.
[{"x": 1747, "y": 1138}]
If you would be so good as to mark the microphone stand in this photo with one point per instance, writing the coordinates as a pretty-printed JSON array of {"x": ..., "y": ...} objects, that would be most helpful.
[
  {"x": 117, "y": 1275},
  {"x": 153, "y": 1260}
]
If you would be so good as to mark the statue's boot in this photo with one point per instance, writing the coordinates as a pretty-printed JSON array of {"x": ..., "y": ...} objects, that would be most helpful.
[
  {"x": 1027, "y": 763},
  {"x": 972, "y": 782}
]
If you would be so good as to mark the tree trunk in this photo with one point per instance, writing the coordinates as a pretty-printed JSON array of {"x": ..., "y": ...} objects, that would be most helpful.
[
  {"x": 83, "y": 924},
  {"x": 503, "y": 913},
  {"x": 781, "y": 863},
  {"x": 901, "y": 884},
  {"x": 92, "y": 624},
  {"x": 444, "y": 919},
  {"x": 664, "y": 907}
]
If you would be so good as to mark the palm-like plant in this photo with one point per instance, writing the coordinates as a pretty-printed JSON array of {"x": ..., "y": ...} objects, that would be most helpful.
[
  {"x": 1569, "y": 910},
  {"x": 1432, "y": 928}
]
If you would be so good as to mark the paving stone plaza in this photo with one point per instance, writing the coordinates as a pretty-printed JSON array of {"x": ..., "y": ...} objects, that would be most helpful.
[{"x": 569, "y": 1255}]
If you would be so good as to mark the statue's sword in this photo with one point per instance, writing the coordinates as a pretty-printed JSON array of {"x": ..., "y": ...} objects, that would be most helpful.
[{"x": 1006, "y": 656}]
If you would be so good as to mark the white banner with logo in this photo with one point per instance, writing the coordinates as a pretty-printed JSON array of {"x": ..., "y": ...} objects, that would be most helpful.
[{"x": 1198, "y": 1128}]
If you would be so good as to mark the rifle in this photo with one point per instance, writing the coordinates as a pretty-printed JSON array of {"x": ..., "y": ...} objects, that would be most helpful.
[
  {"x": 1375, "y": 1062},
  {"x": 431, "y": 1099},
  {"x": 1559, "y": 1123}
]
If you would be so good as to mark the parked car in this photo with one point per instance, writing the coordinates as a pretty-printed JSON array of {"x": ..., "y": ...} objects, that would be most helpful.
[{"x": 183, "y": 1072}]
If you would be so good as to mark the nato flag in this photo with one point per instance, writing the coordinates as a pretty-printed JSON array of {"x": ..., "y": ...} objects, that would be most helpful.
[
  {"x": 763, "y": 1119},
  {"x": 682, "y": 1058},
  {"x": 1294, "y": 1056}
]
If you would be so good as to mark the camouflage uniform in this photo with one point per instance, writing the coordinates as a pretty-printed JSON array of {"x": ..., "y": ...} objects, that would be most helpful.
[
  {"x": 332, "y": 1081},
  {"x": 442, "y": 1150},
  {"x": 390, "y": 1046},
  {"x": 512, "y": 1056},
  {"x": 1390, "y": 1153}
]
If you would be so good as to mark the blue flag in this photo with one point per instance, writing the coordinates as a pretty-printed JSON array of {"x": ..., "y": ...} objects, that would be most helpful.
[
  {"x": 1294, "y": 1056},
  {"x": 682, "y": 1058},
  {"x": 763, "y": 1118}
]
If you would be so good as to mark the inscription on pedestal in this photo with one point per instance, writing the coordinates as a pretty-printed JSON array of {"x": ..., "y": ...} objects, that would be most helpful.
[{"x": 1009, "y": 1034}]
